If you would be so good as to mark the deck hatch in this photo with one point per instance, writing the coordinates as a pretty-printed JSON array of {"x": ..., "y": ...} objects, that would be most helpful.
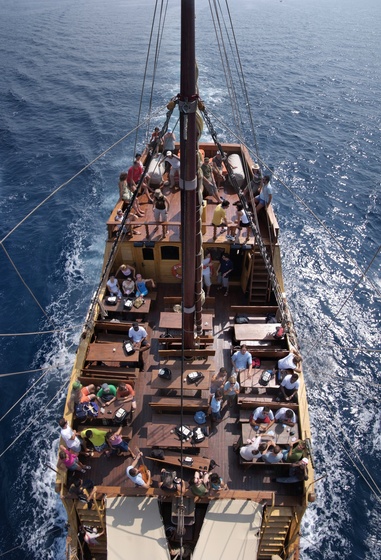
[
  {"x": 231, "y": 529},
  {"x": 135, "y": 529}
]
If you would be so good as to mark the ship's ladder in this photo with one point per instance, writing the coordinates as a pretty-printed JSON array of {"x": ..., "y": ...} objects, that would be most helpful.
[
  {"x": 274, "y": 531},
  {"x": 259, "y": 283},
  {"x": 94, "y": 517}
]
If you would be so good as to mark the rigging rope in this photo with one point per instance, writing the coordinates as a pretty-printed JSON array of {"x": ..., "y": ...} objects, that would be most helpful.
[
  {"x": 26, "y": 285},
  {"x": 139, "y": 125},
  {"x": 34, "y": 420},
  {"x": 299, "y": 199},
  {"x": 65, "y": 329},
  {"x": 26, "y": 392}
]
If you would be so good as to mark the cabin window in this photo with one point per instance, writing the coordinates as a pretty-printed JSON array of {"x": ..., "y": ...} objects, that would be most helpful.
[
  {"x": 170, "y": 253},
  {"x": 148, "y": 254}
]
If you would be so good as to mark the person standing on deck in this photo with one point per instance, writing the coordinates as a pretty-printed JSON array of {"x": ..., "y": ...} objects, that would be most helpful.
[
  {"x": 225, "y": 269},
  {"x": 218, "y": 380},
  {"x": 207, "y": 267},
  {"x": 242, "y": 222},
  {"x": 70, "y": 437},
  {"x": 231, "y": 390},
  {"x": 219, "y": 216},
  {"x": 265, "y": 196},
  {"x": 174, "y": 162},
  {"x": 169, "y": 140},
  {"x": 242, "y": 360},
  {"x": 215, "y": 406},
  {"x": 208, "y": 181},
  {"x": 160, "y": 208},
  {"x": 254, "y": 187}
]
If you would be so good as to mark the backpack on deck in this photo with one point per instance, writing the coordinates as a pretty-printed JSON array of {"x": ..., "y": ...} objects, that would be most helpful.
[{"x": 86, "y": 410}]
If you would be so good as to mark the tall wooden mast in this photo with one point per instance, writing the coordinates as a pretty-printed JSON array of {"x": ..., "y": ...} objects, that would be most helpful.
[{"x": 188, "y": 172}]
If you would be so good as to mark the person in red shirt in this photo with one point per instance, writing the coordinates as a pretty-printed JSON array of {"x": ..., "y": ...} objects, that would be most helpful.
[
  {"x": 125, "y": 393},
  {"x": 133, "y": 177}
]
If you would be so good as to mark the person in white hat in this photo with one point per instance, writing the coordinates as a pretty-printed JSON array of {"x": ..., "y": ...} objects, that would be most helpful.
[{"x": 254, "y": 187}]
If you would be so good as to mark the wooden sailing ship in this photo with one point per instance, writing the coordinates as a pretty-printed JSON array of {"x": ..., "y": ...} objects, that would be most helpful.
[{"x": 256, "y": 516}]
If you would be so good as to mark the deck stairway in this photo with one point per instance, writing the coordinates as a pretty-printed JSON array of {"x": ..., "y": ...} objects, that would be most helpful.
[
  {"x": 275, "y": 527},
  {"x": 94, "y": 517},
  {"x": 259, "y": 284}
]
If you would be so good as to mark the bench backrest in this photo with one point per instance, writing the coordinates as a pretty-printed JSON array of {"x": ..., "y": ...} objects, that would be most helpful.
[{"x": 194, "y": 352}]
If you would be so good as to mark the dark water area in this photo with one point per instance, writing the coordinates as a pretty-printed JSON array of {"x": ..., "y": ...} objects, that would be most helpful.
[{"x": 70, "y": 88}]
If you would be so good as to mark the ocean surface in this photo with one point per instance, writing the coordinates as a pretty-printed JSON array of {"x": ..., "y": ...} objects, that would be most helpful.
[{"x": 71, "y": 75}]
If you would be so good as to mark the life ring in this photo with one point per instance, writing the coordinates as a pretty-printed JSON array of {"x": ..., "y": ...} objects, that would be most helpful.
[{"x": 177, "y": 270}]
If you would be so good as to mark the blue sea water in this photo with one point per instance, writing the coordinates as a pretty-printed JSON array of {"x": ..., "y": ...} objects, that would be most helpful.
[{"x": 71, "y": 78}]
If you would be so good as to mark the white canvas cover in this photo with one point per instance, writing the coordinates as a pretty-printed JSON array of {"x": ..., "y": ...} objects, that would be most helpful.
[
  {"x": 135, "y": 529},
  {"x": 231, "y": 530}
]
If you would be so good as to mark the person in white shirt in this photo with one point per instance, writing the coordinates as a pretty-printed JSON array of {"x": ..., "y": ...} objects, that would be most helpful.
[
  {"x": 289, "y": 387},
  {"x": 262, "y": 415},
  {"x": 174, "y": 162},
  {"x": 113, "y": 287},
  {"x": 70, "y": 437},
  {"x": 136, "y": 476},
  {"x": 138, "y": 335},
  {"x": 253, "y": 450},
  {"x": 285, "y": 416}
]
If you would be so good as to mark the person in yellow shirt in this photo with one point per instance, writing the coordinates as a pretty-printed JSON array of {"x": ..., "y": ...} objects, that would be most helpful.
[
  {"x": 219, "y": 215},
  {"x": 96, "y": 437}
]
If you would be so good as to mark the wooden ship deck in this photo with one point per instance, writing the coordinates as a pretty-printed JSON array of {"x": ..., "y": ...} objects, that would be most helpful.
[{"x": 159, "y": 404}]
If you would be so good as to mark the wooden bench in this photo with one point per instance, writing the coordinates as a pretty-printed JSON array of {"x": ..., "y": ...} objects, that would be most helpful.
[
  {"x": 173, "y": 458},
  {"x": 115, "y": 326},
  {"x": 169, "y": 302},
  {"x": 193, "y": 353},
  {"x": 173, "y": 404},
  {"x": 245, "y": 413},
  {"x": 113, "y": 379},
  {"x": 252, "y": 401},
  {"x": 169, "y": 342},
  {"x": 104, "y": 372},
  {"x": 255, "y": 313},
  {"x": 270, "y": 466}
]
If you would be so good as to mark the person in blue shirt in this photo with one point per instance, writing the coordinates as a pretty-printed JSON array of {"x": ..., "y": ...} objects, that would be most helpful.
[
  {"x": 242, "y": 361},
  {"x": 215, "y": 405}
]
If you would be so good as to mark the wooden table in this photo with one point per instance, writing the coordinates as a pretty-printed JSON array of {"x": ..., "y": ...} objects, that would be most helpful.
[
  {"x": 111, "y": 352},
  {"x": 119, "y": 307},
  {"x": 281, "y": 435},
  {"x": 173, "y": 458},
  {"x": 109, "y": 411},
  {"x": 246, "y": 380},
  {"x": 250, "y": 332},
  {"x": 159, "y": 435},
  {"x": 175, "y": 381},
  {"x": 170, "y": 320}
]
